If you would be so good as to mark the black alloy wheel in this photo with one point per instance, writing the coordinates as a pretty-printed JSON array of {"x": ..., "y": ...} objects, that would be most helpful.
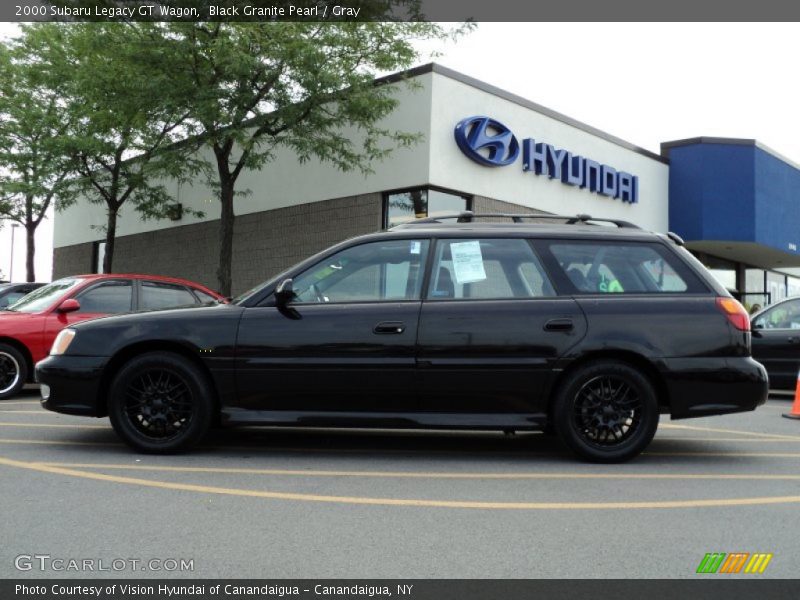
[
  {"x": 13, "y": 371},
  {"x": 160, "y": 403},
  {"x": 607, "y": 411}
]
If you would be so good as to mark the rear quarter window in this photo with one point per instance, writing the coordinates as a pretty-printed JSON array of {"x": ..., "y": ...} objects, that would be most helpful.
[{"x": 619, "y": 267}]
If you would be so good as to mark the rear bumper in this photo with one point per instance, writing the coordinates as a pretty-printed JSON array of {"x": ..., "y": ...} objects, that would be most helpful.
[
  {"x": 70, "y": 384},
  {"x": 698, "y": 387}
]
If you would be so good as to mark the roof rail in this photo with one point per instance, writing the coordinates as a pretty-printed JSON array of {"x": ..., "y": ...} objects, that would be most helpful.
[{"x": 468, "y": 216}]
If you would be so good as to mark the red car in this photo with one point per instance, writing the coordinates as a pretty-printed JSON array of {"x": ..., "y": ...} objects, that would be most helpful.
[{"x": 29, "y": 326}]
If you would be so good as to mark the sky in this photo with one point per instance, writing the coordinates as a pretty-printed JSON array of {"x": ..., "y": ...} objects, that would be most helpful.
[{"x": 646, "y": 83}]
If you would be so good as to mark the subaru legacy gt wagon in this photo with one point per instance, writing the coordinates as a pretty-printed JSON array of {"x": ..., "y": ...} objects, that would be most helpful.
[{"x": 586, "y": 329}]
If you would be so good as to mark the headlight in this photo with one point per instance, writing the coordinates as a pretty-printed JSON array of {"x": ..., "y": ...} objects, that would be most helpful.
[{"x": 63, "y": 340}]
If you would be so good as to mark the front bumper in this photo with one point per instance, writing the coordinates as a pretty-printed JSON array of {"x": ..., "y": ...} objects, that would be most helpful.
[
  {"x": 698, "y": 387},
  {"x": 71, "y": 384}
]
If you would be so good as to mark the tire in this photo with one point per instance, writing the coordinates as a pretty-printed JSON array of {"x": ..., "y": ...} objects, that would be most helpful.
[
  {"x": 13, "y": 371},
  {"x": 606, "y": 412},
  {"x": 160, "y": 403}
]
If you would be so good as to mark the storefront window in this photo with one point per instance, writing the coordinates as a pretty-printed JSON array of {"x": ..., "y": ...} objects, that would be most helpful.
[
  {"x": 792, "y": 286},
  {"x": 724, "y": 271},
  {"x": 776, "y": 286},
  {"x": 402, "y": 207}
]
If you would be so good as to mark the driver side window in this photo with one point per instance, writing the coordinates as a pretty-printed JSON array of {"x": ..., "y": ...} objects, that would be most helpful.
[{"x": 389, "y": 270}]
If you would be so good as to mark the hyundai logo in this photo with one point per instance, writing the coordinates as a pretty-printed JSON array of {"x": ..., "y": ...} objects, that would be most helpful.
[{"x": 486, "y": 141}]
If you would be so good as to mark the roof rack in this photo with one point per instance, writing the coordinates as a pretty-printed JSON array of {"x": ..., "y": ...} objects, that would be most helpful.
[{"x": 468, "y": 216}]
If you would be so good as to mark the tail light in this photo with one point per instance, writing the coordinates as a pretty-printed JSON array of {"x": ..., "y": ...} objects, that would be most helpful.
[{"x": 735, "y": 312}]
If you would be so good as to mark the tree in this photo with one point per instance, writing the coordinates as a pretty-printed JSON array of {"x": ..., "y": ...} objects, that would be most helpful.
[
  {"x": 123, "y": 126},
  {"x": 32, "y": 162},
  {"x": 309, "y": 87}
]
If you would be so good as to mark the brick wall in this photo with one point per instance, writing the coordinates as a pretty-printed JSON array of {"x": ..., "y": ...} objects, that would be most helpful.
[{"x": 264, "y": 243}]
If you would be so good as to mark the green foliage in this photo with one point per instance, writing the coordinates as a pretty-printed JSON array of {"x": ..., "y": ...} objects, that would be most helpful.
[
  {"x": 128, "y": 105},
  {"x": 117, "y": 126},
  {"x": 309, "y": 87},
  {"x": 33, "y": 168}
]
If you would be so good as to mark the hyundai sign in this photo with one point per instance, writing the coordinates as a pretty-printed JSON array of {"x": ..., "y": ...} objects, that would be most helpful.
[{"x": 492, "y": 144}]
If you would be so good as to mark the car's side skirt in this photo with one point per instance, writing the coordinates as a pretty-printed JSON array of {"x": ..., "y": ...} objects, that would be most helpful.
[{"x": 388, "y": 420}]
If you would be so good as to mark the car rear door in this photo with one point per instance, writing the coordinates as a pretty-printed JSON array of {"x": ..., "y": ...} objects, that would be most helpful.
[
  {"x": 491, "y": 328},
  {"x": 347, "y": 341}
]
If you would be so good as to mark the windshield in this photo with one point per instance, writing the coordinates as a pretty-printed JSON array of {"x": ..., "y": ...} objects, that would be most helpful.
[{"x": 44, "y": 297}]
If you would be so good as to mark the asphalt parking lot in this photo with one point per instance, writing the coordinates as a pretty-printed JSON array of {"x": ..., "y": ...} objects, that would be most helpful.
[{"x": 268, "y": 503}]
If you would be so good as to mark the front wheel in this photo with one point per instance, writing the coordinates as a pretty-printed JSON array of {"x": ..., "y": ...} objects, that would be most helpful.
[
  {"x": 606, "y": 412},
  {"x": 13, "y": 371},
  {"x": 160, "y": 403}
]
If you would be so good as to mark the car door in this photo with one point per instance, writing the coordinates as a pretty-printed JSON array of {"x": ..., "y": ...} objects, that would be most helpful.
[
  {"x": 491, "y": 328},
  {"x": 347, "y": 340},
  {"x": 776, "y": 343},
  {"x": 106, "y": 297}
]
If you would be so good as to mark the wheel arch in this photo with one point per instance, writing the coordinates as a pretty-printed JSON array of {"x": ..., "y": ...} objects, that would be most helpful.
[
  {"x": 23, "y": 350},
  {"x": 125, "y": 354},
  {"x": 645, "y": 366}
]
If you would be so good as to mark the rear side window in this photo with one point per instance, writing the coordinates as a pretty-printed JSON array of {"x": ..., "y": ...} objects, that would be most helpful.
[
  {"x": 10, "y": 298},
  {"x": 108, "y": 297},
  {"x": 483, "y": 269},
  {"x": 156, "y": 294},
  {"x": 623, "y": 268}
]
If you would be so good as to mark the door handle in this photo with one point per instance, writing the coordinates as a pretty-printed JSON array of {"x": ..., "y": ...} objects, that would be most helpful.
[
  {"x": 559, "y": 325},
  {"x": 390, "y": 327}
]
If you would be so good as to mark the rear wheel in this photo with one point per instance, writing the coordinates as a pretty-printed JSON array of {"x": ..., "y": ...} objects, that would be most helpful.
[
  {"x": 606, "y": 412},
  {"x": 13, "y": 371},
  {"x": 160, "y": 403}
]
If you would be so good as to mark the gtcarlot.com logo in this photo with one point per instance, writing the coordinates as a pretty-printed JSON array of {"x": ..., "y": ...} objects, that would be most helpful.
[
  {"x": 734, "y": 562},
  {"x": 46, "y": 562}
]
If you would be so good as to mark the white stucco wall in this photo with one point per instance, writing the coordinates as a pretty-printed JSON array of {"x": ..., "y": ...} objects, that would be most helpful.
[
  {"x": 432, "y": 109},
  {"x": 283, "y": 182}
]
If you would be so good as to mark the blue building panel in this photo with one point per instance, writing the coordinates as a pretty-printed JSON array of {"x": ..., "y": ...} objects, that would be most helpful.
[{"x": 733, "y": 191}]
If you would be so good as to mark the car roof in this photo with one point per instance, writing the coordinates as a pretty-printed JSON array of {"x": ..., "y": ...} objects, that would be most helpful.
[{"x": 519, "y": 225}]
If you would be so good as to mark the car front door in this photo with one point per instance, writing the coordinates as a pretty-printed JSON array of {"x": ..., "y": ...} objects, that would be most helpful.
[
  {"x": 491, "y": 328},
  {"x": 776, "y": 343},
  {"x": 347, "y": 340}
]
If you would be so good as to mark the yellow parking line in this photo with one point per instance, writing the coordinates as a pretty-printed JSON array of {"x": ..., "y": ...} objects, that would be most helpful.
[
  {"x": 417, "y": 474},
  {"x": 687, "y": 438},
  {"x": 734, "y": 454},
  {"x": 56, "y": 443},
  {"x": 205, "y": 489},
  {"x": 736, "y": 431},
  {"x": 9, "y": 403},
  {"x": 54, "y": 425}
]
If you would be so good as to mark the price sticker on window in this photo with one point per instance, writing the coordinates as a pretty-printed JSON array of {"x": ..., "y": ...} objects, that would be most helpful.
[
  {"x": 467, "y": 262},
  {"x": 416, "y": 247}
]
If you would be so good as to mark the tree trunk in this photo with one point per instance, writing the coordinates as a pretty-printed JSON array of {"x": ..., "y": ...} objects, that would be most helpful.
[
  {"x": 111, "y": 233},
  {"x": 30, "y": 231},
  {"x": 224, "y": 282}
]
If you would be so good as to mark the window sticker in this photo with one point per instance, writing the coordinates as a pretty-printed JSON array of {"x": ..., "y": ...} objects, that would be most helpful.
[
  {"x": 416, "y": 247},
  {"x": 467, "y": 262}
]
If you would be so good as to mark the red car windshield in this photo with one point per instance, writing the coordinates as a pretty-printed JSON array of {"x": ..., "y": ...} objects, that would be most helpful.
[{"x": 44, "y": 297}]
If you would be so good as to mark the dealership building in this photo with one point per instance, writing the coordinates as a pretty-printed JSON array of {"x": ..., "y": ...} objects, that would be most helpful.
[{"x": 734, "y": 201}]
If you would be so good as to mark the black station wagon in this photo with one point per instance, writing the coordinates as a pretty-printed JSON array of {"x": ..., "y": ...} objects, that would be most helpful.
[{"x": 588, "y": 328}]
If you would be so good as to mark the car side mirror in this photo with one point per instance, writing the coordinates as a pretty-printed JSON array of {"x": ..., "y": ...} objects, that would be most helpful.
[
  {"x": 69, "y": 305},
  {"x": 284, "y": 293}
]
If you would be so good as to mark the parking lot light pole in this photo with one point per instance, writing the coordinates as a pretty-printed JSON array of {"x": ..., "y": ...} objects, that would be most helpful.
[{"x": 11, "y": 268}]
